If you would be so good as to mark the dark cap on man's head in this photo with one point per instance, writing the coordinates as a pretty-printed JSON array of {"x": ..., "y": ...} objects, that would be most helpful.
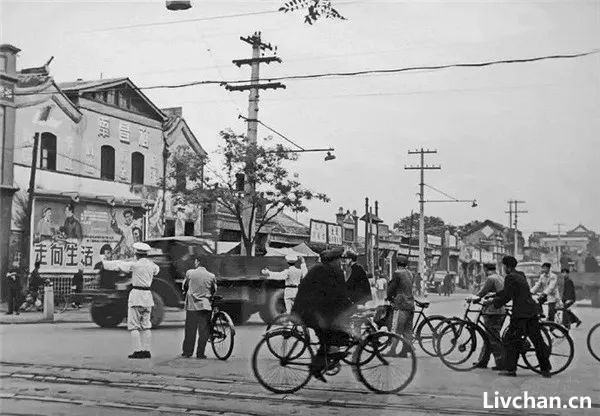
[
  {"x": 332, "y": 254},
  {"x": 509, "y": 261},
  {"x": 565, "y": 270},
  {"x": 351, "y": 255},
  {"x": 402, "y": 260},
  {"x": 547, "y": 265},
  {"x": 490, "y": 267}
]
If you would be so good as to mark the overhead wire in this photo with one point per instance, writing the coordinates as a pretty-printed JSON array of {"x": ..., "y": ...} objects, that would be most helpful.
[{"x": 365, "y": 72}]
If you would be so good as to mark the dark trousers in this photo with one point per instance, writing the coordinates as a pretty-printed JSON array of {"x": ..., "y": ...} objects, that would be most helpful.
[
  {"x": 196, "y": 322},
  {"x": 493, "y": 323},
  {"x": 551, "y": 311},
  {"x": 568, "y": 316},
  {"x": 513, "y": 342},
  {"x": 13, "y": 300}
]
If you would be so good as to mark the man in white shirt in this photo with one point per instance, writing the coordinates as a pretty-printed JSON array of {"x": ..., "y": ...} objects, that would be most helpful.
[
  {"x": 292, "y": 276},
  {"x": 547, "y": 284},
  {"x": 200, "y": 285}
]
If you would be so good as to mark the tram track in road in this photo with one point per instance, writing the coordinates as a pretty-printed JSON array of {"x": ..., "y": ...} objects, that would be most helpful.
[{"x": 224, "y": 390}]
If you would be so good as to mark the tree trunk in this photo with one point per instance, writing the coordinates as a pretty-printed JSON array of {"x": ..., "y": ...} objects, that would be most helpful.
[{"x": 249, "y": 246}]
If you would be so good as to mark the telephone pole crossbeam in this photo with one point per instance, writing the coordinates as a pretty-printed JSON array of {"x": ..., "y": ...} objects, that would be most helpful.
[
  {"x": 266, "y": 86},
  {"x": 261, "y": 60}
]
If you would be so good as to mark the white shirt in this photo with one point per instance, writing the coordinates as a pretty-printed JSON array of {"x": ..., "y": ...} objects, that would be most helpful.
[
  {"x": 548, "y": 285},
  {"x": 292, "y": 276},
  {"x": 142, "y": 273}
]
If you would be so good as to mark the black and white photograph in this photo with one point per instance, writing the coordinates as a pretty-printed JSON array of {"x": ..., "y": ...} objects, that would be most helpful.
[{"x": 299, "y": 207}]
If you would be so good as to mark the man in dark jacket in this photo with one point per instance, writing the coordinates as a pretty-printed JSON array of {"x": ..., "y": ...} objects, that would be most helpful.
[
  {"x": 358, "y": 286},
  {"x": 77, "y": 284},
  {"x": 14, "y": 292},
  {"x": 323, "y": 304},
  {"x": 569, "y": 299},
  {"x": 524, "y": 320},
  {"x": 400, "y": 294}
]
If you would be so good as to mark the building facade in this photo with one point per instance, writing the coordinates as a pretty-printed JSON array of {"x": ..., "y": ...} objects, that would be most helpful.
[{"x": 100, "y": 160}]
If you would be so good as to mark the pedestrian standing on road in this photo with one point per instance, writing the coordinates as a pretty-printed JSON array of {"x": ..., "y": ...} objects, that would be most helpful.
[
  {"x": 77, "y": 284},
  {"x": 292, "y": 277},
  {"x": 493, "y": 319},
  {"x": 547, "y": 285},
  {"x": 524, "y": 320},
  {"x": 13, "y": 286},
  {"x": 569, "y": 299},
  {"x": 357, "y": 286},
  {"x": 400, "y": 294},
  {"x": 140, "y": 301},
  {"x": 381, "y": 284},
  {"x": 418, "y": 284},
  {"x": 201, "y": 286}
]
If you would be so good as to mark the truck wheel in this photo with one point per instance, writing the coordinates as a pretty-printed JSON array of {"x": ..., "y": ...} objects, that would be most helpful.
[
  {"x": 158, "y": 310},
  {"x": 595, "y": 298},
  {"x": 106, "y": 316},
  {"x": 274, "y": 307},
  {"x": 239, "y": 312}
]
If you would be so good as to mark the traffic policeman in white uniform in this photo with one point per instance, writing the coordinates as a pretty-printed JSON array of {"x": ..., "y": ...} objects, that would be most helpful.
[
  {"x": 292, "y": 276},
  {"x": 140, "y": 303}
]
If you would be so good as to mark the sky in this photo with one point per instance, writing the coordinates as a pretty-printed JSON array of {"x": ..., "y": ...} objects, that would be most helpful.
[{"x": 522, "y": 131}]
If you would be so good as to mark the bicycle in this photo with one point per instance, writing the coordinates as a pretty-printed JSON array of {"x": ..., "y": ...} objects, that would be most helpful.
[
  {"x": 221, "y": 330},
  {"x": 65, "y": 301},
  {"x": 555, "y": 336},
  {"x": 285, "y": 355},
  {"x": 594, "y": 345},
  {"x": 425, "y": 330}
]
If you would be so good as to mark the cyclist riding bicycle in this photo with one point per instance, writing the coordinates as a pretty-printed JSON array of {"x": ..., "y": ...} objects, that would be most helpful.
[{"x": 322, "y": 303}]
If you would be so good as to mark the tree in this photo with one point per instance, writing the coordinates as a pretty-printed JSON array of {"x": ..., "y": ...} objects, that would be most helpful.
[
  {"x": 433, "y": 225},
  {"x": 274, "y": 187},
  {"x": 315, "y": 9}
]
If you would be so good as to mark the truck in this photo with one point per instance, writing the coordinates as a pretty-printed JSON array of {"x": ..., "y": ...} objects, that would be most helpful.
[{"x": 244, "y": 288}]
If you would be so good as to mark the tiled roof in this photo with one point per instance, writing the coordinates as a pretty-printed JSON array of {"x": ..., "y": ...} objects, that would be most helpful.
[{"x": 82, "y": 85}]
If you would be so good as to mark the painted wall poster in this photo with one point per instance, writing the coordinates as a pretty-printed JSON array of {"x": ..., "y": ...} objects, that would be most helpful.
[{"x": 66, "y": 234}]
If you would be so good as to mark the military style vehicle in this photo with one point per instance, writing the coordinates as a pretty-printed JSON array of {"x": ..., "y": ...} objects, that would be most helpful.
[{"x": 245, "y": 290}]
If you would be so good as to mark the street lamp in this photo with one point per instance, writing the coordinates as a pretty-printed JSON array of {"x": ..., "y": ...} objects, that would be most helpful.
[{"x": 175, "y": 5}]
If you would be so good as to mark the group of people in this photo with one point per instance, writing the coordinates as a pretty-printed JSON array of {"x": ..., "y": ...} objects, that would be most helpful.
[
  {"x": 35, "y": 284},
  {"x": 525, "y": 313}
]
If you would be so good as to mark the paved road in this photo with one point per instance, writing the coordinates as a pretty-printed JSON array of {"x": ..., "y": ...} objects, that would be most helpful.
[{"x": 78, "y": 368}]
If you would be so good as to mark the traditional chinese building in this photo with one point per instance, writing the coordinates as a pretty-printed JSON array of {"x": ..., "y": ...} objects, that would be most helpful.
[{"x": 102, "y": 149}]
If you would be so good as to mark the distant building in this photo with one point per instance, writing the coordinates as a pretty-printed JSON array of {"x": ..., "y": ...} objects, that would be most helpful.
[{"x": 575, "y": 240}]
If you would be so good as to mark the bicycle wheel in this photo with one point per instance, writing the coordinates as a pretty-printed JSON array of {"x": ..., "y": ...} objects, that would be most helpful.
[
  {"x": 378, "y": 366},
  {"x": 286, "y": 371},
  {"x": 593, "y": 341},
  {"x": 63, "y": 303},
  {"x": 558, "y": 344},
  {"x": 222, "y": 335},
  {"x": 458, "y": 342},
  {"x": 425, "y": 333}
]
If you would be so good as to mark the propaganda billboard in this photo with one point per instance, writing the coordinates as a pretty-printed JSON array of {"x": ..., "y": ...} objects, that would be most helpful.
[{"x": 66, "y": 234}]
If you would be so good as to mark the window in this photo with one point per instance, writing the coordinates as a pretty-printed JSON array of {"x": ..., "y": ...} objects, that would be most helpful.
[
  {"x": 107, "y": 163},
  {"x": 189, "y": 228},
  {"x": 169, "y": 228},
  {"x": 137, "y": 168},
  {"x": 48, "y": 151},
  {"x": 348, "y": 234}
]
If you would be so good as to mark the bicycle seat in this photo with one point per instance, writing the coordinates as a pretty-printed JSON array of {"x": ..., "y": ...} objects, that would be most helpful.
[{"x": 423, "y": 305}]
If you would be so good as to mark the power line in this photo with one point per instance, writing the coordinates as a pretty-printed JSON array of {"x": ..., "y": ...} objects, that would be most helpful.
[
  {"x": 362, "y": 72},
  {"x": 199, "y": 19},
  {"x": 441, "y": 192},
  {"x": 274, "y": 131}
]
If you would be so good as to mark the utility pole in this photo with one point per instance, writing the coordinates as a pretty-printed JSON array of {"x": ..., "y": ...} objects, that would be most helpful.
[
  {"x": 510, "y": 213},
  {"x": 422, "y": 168},
  {"x": 516, "y": 213},
  {"x": 558, "y": 248},
  {"x": 25, "y": 240},
  {"x": 254, "y": 87}
]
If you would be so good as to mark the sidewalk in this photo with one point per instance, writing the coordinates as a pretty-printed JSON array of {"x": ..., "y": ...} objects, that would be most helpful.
[{"x": 69, "y": 316}]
